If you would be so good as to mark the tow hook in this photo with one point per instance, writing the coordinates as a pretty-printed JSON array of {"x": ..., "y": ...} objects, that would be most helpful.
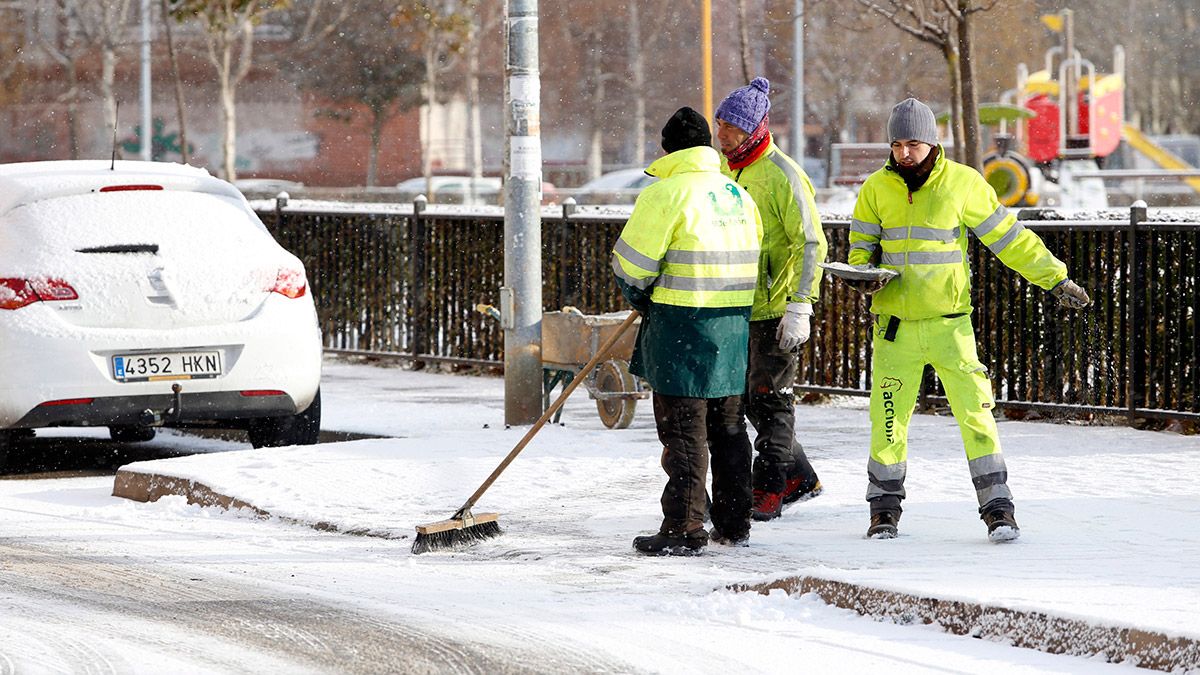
[{"x": 174, "y": 414}]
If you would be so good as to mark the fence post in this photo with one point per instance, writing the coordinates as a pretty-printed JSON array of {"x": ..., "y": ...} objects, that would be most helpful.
[
  {"x": 418, "y": 313},
  {"x": 569, "y": 270},
  {"x": 1137, "y": 310}
]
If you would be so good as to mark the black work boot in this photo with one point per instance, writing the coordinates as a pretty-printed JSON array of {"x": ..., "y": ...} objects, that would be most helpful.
[
  {"x": 883, "y": 525},
  {"x": 692, "y": 543},
  {"x": 1001, "y": 524},
  {"x": 738, "y": 539}
]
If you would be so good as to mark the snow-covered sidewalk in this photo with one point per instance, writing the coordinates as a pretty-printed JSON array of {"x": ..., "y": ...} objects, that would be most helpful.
[{"x": 1110, "y": 518}]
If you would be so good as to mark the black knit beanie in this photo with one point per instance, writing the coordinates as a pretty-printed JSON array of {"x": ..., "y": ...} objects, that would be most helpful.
[{"x": 686, "y": 129}]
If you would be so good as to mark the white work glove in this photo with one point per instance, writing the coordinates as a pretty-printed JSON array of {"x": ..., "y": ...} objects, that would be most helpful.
[
  {"x": 1070, "y": 295},
  {"x": 795, "y": 327}
]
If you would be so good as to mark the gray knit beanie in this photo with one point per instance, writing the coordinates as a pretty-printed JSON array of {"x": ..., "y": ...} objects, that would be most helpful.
[{"x": 912, "y": 119}]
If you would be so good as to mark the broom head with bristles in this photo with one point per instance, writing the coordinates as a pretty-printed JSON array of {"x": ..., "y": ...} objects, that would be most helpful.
[{"x": 463, "y": 529}]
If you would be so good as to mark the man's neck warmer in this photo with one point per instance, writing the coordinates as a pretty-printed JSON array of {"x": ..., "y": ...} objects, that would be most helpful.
[{"x": 751, "y": 149}]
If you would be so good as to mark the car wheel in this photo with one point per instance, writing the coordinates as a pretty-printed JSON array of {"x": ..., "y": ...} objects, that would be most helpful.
[
  {"x": 300, "y": 429},
  {"x": 131, "y": 433}
]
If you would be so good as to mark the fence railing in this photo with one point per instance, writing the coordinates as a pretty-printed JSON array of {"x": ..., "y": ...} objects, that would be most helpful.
[{"x": 404, "y": 281}]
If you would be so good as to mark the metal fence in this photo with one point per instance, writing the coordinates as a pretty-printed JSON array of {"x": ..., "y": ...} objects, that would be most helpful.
[{"x": 406, "y": 281}]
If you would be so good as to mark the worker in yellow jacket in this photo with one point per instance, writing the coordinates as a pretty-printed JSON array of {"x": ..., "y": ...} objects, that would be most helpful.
[
  {"x": 687, "y": 259},
  {"x": 915, "y": 212},
  {"x": 789, "y": 283}
]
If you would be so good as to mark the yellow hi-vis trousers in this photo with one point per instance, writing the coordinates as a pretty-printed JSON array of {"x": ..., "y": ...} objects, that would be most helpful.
[{"x": 948, "y": 344}]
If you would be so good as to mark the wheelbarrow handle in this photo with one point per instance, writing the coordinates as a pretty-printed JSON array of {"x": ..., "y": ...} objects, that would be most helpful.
[{"x": 601, "y": 355}]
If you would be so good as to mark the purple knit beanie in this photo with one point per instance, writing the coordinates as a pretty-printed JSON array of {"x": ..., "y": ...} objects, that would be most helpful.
[{"x": 746, "y": 107}]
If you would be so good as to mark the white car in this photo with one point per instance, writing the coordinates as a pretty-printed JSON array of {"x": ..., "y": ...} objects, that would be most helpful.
[
  {"x": 615, "y": 187},
  {"x": 149, "y": 294}
]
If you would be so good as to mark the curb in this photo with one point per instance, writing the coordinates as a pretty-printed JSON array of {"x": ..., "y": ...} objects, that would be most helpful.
[
  {"x": 1028, "y": 629},
  {"x": 150, "y": 487}
]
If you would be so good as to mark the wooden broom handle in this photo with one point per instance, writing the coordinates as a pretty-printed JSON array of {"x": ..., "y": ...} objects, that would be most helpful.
[{"x": 600, "y": 355}]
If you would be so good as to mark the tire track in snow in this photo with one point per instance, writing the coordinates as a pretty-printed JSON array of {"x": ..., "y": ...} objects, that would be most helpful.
[{"x": 137, "y": 603}]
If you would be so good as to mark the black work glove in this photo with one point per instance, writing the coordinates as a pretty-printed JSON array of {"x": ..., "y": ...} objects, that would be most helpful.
[{"x": 1070, "y": 295}]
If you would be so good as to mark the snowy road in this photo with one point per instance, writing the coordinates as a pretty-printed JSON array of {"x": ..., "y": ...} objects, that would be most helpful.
[
  {"x": 82, "y": 596},
  {"x": 91, "y": 583},
  {"x": 80, "y": 593}
]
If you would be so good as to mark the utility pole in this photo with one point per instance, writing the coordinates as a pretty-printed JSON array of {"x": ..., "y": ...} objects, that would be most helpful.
[
  {"x": 706, "y": 56},
  {"x": 797, "y": 140},
  {"x": 147, "y": 124},
  {"x": 521, "y": 296}
]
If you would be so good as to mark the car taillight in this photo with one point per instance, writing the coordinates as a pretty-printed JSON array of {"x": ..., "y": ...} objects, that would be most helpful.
[
  {"x": 17, "y": 293},
  {"x": 290, "y": 283},
  {"x": 128, "y": 188}
]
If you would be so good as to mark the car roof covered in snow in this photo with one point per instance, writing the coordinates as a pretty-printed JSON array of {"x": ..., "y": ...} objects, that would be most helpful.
[{"x": 28, "y": 182}]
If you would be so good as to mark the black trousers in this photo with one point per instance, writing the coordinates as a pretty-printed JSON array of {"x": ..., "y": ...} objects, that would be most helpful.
[
  {"x": 771, "y": 408},
  {"x": 690, "y": 429}
]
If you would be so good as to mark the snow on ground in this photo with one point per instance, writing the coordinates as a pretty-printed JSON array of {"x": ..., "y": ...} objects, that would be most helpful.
[{"x": 1110, "y": 523}]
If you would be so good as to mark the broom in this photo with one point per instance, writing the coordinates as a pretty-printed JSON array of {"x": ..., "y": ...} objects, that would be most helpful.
[{"x": 464, "y": 528}]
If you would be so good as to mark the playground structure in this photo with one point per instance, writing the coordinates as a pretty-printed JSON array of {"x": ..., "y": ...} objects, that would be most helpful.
[{"x": 1067, "y": 119}]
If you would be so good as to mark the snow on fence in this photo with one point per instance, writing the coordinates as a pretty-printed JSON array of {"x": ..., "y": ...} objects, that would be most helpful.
[{"x": 392, "y": 280}]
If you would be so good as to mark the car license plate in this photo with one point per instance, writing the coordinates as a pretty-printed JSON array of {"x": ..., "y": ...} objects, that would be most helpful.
[{"x": 166, "y": 366}]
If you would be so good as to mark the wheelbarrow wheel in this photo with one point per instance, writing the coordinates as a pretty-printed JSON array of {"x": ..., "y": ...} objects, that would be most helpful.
[{"x": 613, "y": 377}]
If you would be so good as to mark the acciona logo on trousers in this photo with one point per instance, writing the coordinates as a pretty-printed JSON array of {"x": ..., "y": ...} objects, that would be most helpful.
[{"x": 890, "y": 386}]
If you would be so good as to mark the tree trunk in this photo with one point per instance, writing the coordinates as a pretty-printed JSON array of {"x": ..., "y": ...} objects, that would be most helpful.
[
  {"x": 970, "y": 100},
  {"x": 595, "y": 163},
  {"x": 637, "y": 63},
  {"x": 956, "y": 114},
  {"x": 378, "y": 115},
  {"x": 430, "y": 98},
  {"x": 179, "y": 107},
  {"x": 744, "y": 39},
  {"x": 108, "y": 74},
  {"x": 228, "y": 111},
  {"x": 474, "y": 125}
]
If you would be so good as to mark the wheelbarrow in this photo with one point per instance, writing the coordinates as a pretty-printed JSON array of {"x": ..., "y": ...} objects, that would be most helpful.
[{"x": 570, "y": 339}]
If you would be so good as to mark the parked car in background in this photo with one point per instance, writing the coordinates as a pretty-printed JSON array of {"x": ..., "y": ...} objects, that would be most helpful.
[
  {"x": 484, "y": 190},
  {"x": 149, "y": 295},
  {"x": 452, "y": 189},
  {"x": 265, "y": 188},
  {"x": 615, "y": 187}
]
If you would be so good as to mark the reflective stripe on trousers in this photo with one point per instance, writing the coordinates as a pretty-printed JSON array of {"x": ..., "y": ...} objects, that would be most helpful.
[{"x": 948, "y": 344}]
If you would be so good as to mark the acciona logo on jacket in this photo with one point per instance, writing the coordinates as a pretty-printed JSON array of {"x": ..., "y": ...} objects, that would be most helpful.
[
  {"x": 728, "y": 212},
  {"x": 890, "y": 386}
]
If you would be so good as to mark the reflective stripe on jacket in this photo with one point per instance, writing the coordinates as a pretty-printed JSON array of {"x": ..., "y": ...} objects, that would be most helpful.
[
  {"x": 793, "y": 240},
  {"x": 923, "y": 235},
  {"x": 693, "y": 236}
]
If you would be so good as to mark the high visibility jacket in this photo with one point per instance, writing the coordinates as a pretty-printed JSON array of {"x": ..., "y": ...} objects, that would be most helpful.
[
  {"x": 691, "y": 245},
  {"x": 923, "y": 235},
  {"x": 793, "y": 240},
  {"x": 693, "y": 236}
]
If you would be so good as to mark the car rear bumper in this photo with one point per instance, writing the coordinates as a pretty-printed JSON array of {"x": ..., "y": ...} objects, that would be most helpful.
[
  {"x": 43, "y": 360},
  {"x": 199, "y": 407}
]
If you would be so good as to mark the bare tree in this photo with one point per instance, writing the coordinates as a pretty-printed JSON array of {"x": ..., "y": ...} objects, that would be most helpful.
[
  {"x": 441, "y": 27},
  {"x": 66, "y": 52},
  {"x": 946, "y": 24},
  {"x": 364, "y": 64},
  {"x": 637, "y": 69},
  {"x": 229, "y": 45},
  {"x": 485, "y": 21},
  {"x": 103, "y": 23},
  {"x": 929, "y": 22}
]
